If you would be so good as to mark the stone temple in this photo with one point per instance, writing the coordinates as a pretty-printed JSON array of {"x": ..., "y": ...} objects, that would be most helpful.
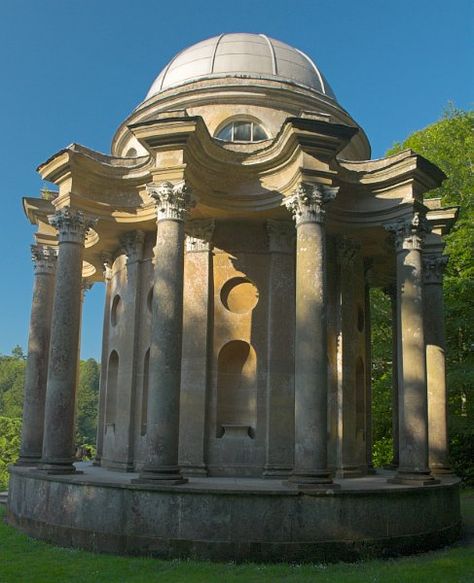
[{"x": 238, "y": 225}]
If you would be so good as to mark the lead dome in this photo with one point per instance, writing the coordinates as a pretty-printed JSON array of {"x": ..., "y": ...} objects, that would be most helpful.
[{"x": 241, "y": 55}]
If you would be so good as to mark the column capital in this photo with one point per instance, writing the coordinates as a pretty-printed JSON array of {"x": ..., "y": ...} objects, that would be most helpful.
[
  {"x": 306, "y": 202},
  {"x": 409, "y": 232},
  {"x": 44, "y": 259},
  {"x": 173, "y": 201},
  {"x": 433, "y": 268},
  {"x": 281, "y": 236},
  {"x": 72, "y": 225},
  {"x": 131, "y": 244},
  {"x": 199, "y": 235}
]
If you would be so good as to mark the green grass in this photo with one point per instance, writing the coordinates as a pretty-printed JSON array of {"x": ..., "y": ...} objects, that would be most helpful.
[{"x": 23, "y": 560}]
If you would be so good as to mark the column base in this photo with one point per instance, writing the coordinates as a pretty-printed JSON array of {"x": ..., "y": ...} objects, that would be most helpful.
[
  {"x": 317, "y": 480},
  {"x": 26, "y": 460},
  {"x": 57, "y": 467},
  {"x": 197, "y": 470},
  {"x": 442, "y": 470},
  {"x": 274, "y": 472},
  {"x": 349, "y": 472},
  {"x": 408, "y": 478},
  {"x": 161, "y": 476}
]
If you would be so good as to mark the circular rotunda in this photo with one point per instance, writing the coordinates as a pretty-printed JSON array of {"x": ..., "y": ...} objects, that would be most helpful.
[{"x": 238, "y": 226}]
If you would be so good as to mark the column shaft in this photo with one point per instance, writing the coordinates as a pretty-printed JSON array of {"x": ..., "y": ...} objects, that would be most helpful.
[
  {"x": 38, "y": 350},
  {"x": 166, "y": 337},
  {"x": 413, "y": 406},
  {"x": 311, "y": 363},
  {"x": 391, "y": 292},
  {"x": 58, "y": 455},
  {"x": 103, "y": 363},
  {"x": 368, "y": 375},
  {"x": 436, "y": 364}
]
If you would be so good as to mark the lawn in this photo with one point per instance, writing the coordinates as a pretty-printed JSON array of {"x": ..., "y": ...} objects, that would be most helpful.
[{"x": 23, "y": 560}]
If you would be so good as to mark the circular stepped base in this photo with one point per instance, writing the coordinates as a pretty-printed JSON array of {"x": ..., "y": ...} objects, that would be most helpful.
[{"x": 233, "y": 518}]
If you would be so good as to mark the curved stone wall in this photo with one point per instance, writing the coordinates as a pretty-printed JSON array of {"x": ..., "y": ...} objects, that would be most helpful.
[{"x": 230, "y": 519}]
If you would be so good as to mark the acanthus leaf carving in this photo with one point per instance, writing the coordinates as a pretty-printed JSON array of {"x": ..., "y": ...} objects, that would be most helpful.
[{"x": 307, "y": 201}]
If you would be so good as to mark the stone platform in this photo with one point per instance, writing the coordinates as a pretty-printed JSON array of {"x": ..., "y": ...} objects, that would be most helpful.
[{"x": 233, "y": 518}]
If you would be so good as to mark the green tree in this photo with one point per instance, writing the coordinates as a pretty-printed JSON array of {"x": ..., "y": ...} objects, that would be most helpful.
[
  {"x": 448, "y": 143},
  {"x": 86, "y": 402},
  {"x": 10, "y": 430},
  {"x": 12, "y": 379}
]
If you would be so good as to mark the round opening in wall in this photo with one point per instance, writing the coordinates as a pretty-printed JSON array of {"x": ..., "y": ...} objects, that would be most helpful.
[
  {"x": 360, "y": 319},
  {"x": 116, "y": 309},
  {"x": 239, "y": 295}
]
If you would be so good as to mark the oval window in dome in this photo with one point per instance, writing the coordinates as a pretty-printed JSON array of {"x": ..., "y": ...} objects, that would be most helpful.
[{"x": 242, "y": 131}]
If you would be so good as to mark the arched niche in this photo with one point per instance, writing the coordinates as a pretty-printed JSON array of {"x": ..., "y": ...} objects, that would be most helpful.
[
  {"x": 112, "y": 378},
  {"x": 236, "y": 389}
]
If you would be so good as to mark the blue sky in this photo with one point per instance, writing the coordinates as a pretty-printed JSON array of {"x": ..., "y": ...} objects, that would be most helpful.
[{"x": 70, "y": 71}]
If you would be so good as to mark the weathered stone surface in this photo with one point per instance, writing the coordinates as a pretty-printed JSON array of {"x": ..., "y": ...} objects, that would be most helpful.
[
  {"x": 223, "y": 519},
  {"x": 236, "y": 343}
]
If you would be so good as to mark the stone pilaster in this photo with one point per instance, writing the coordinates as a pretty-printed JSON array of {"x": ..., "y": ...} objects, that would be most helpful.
[
  {"x": 311, "y": 366},
  {"x": 280, "y": 429},
  {"x": 433, "y": 268},
  {"x": 121, "y": 456},
  {"x": 57, "y": 454},
  {"x": 413, "y": 407},
  {"x": 107, "y": 263},
  {"x": 347, "y": 464},
  {"x": 197, "y": 340},
  {"x": 44, "y": 259},
  {"x": 161, "y": 466}
]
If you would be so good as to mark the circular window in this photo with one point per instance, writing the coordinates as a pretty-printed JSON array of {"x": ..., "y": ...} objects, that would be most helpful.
[
  {"x": 242, "y": 131},
  {"x": 239, "y": 295},
  {"x": 360, "y": 319},
  {"x": 116, "y": 310},
  {"x": 131, "y": 153}
]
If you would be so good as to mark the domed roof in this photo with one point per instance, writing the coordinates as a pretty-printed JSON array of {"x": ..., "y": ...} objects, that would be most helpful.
[{"x": 241, "y": 55}]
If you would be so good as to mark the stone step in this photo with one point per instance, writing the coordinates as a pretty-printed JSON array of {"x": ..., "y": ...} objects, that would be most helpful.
[{"x": 3, "y": 498}]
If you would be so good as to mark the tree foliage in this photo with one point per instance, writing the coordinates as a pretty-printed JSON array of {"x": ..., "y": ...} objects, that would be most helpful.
[
  {"x": 86, "y": 402},
  {"x": 448, "y": 143},
  {"x": 12, "y": 379},
  {"x": 10, "y": 430}
]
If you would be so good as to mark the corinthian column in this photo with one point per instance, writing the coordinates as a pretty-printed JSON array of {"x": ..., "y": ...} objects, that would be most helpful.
[
  {"x": 57, "y": 455},
  {"x": 161, "y": 466},
  {"x": 434, "y": 265},
  {"x": 412, "y": 397},
  {"x": 311, "y": 363},
  {"x": 44, "y": 259}
]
